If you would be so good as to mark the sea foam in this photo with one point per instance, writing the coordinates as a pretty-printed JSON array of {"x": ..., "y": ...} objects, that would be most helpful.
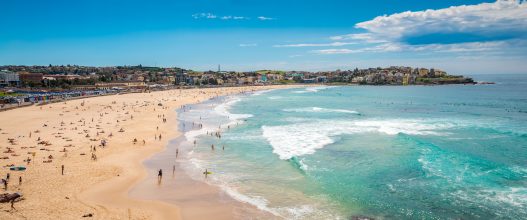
[
  {"x": 305, "y": 138},
  {"x": 223, "y": 109},
  {"x": 314, "y": 89},
  {"x": 320, "y": 110}
]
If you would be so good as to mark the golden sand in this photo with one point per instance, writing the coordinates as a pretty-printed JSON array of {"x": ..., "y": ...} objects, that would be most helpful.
[{"x": 65, "y": 133}]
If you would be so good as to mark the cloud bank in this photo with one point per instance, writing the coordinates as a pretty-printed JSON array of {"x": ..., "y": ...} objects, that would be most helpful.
[
  {"x": 487, "y": 28},
  {"x": 501, "y": 20}
]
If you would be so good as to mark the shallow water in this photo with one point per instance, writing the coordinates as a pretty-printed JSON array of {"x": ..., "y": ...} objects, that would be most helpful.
[{"x": 416, "y": 152}]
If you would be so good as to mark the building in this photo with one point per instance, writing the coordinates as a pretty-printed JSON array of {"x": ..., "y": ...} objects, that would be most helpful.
[
  {"x": 63, "y": 77},
  {"x": 121, "y": 85},
  {"x": 312, "y": 80},
  {"x": 35, "y": 78},
  {"x": 423, "y": 72},
  {"x": 8, "y": 78},
  {"x": 439, "y": 73}
]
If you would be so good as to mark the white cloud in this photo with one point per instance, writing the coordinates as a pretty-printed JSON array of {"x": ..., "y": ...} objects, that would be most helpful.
[
  {"x": 483, "y": 28},
  {"x": 248, "y": 45},
  {"x": 295, "y": 55},
  {"x": 204, "y": 15},
  {"x": 334, "y": 51},
  {"x": 262, "y": 18},
  {"x": 233, "y": 17},
  {"x": 226, "y": 17},
  {"x": 467, "y": 47},
  {"x": 496, "y": 29},
  {"x": 503, "y": 18},
  {"x": 363, "y": 37},
  {"x": 333, "y": 44},
  {"x": 459, "y": 48}
]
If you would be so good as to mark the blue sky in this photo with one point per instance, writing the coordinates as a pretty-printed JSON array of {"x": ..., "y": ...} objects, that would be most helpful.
[{"x": 465, "y": 37}]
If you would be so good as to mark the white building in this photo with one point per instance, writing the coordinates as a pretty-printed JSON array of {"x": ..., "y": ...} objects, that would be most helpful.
[{"x": 8, "y": 78}]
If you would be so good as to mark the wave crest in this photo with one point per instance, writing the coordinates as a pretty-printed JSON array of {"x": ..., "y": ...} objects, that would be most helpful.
[
  {"x": 305, "y": 138},
  {"x": 321, "y": 110}
]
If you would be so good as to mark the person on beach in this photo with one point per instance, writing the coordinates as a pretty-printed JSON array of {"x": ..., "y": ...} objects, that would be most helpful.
[
  {"x": 5, "y": 184},
  {"x": 20, "y": 180},
  {"x": 212, "y": 146},
  {"x": 177, "y": 152},
  {"x": 160, "y": 175},
  {"x": 206, "y": 173},
  {"x": 62, "y": 169}
]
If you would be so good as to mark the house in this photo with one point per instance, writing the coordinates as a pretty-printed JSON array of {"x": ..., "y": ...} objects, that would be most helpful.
[
  {"x": 423, "y": 72},
  {"x": 62, "y": 76},
  {"x": 35, "y": 78},
  {"x": 439, "y": 73},
  {"x": 8, "y": 78},
  {"x": 121, "y": 85},
  {"x": 312, "y": 80}
]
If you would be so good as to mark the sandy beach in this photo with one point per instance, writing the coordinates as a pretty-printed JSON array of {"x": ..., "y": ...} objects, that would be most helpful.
[{"x": 83, "y": 156}]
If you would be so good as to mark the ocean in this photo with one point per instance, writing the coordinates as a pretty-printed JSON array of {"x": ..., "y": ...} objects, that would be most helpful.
[{"x": 385, "y": 152}]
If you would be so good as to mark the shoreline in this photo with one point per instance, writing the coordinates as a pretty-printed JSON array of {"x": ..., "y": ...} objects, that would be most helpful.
[
  {"x": 181, "y": 189},
  {"x": 120, "y": 189},
  {"x": 27, "y": 104},
  {"x": 97, "y": 187}
]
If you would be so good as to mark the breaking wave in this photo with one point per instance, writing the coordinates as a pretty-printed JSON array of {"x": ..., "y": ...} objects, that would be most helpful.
[
  {"x": 223, "y": 109},
  {"x": 321, "y": 110},
  {"x": 314, "y": 89},
  {"x": 305, "y": 138}
]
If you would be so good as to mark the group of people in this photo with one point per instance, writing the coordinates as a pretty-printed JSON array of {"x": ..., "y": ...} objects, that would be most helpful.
[{"x": 5, "y": 181}]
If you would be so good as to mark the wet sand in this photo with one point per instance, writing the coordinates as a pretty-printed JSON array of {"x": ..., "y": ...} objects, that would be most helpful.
[{"x": 195, "y": 198}]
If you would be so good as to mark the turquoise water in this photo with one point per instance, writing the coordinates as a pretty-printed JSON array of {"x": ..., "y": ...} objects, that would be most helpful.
[{"x": 416, "y": 152}]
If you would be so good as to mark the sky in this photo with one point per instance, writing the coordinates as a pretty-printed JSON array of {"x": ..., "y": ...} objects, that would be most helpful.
[{"x": 460, "y": 37}]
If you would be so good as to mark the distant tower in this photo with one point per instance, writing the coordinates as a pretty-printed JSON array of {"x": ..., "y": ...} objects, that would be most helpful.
[{"x": 219, "y": 68}]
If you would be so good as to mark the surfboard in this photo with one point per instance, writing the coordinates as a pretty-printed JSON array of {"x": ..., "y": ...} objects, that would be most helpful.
[{"x": 17, "y": 168}]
